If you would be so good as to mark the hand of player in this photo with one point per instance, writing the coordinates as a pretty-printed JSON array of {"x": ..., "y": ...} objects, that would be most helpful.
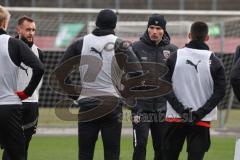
[
  {"x": 22, "y": 95},
  {"x": 197, "y": 116},
  {"x": 186, "y": 115}
]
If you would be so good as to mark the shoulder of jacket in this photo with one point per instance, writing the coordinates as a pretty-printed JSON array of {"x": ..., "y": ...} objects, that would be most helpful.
[
  {"x": 139, "y": 44},
  {"x": 78, "y": 40},
  {"x": 171, "y": 46},
  {"x": 122, "y": 45}
]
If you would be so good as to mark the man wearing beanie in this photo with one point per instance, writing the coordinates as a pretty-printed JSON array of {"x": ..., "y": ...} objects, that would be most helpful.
[
  {"x": 153, "y": 47},
  {"x": 96, "y": 53}
]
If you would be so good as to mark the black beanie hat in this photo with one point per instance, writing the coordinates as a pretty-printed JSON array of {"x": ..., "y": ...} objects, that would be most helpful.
[
  {"x": 106, "y": 19},
  {"x": 157, "y": 20}
]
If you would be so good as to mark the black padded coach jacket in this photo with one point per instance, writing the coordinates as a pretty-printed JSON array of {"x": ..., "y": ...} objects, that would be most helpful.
[{"x": 147, "y": 51}]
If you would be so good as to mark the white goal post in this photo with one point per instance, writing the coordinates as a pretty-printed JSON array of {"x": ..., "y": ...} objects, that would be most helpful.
[
  {"x": 237, "y": 150},
  {"x": 126, "y": 11}
]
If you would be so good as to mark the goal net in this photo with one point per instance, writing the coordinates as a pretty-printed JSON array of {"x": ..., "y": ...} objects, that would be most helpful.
[{"x": 58, "y": 27}]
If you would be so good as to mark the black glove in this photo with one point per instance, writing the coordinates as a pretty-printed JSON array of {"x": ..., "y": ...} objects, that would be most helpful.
[
  {"x": 197, "y": 115},
  {"x": 186, "y": 115}
]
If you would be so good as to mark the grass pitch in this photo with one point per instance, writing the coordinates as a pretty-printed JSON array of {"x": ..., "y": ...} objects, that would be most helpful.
[{"x": 65, "y": 148}]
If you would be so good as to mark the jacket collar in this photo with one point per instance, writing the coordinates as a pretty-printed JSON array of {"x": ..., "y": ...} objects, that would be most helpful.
[
  {"x": 196, "y": 44},
  {"x": 30, "y": 44},
  {"x": 2, "y": 31},
  {"x": 102, "y": 32}
]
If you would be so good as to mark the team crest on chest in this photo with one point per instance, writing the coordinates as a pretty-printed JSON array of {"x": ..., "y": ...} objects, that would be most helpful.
[{"x": 166, "y": 53}]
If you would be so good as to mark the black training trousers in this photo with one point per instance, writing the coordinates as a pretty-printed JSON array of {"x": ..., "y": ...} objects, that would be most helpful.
[
  {"x": 197, "y": 138},
  {"x": 30, "y": 118},
  {"x": 140, "y": 136},
  {"x": 12, "y": 138},
  {"x": 110, "y": 132},
  {"x": 109, "y": 125}
]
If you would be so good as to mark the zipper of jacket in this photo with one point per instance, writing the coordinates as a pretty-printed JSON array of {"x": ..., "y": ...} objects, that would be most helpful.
[{"x": 156, "y": 61}]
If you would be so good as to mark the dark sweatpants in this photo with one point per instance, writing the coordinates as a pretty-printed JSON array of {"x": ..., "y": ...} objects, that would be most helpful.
[
  {"x": 197, "y": 137},
  {"x": 12, "y": 138},
  {"x": 30, "y": 119},
  {"x": 110, "y": 127},
  {"x": 88, "y": 135},
  {"x": 140, "y": 136}
]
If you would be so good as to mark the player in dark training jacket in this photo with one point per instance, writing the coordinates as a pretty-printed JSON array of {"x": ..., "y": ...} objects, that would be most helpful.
[
  {"x": 199, "y": 82},
  {"x": 235, "y": 74},
  {"x": 26, "y": 31},
  {"x": 96, "y": 52},
  {"x": 154, "y": 47},
  {"x": 13, "y": 52}
]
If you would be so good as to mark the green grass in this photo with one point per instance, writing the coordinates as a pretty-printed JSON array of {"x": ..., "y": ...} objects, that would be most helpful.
[
  {"x": 65, "y": 148},
  {"x": 48, "y": 118}
]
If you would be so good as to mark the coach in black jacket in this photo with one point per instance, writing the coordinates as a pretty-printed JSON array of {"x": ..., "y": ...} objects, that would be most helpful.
[{"x": 153, "y": 47}]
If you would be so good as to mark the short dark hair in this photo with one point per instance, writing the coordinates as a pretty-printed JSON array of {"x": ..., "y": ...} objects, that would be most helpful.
[
  {"x": 199, "y": 30},
  {"x": 24, "y": 18}
]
